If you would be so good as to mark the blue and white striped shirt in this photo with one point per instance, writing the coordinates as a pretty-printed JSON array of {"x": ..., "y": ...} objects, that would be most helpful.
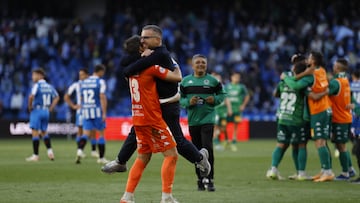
[
  {"x": 44, "y": 93},
  {"x": 355, "y": 89},
  {"x": 90, "y": 89}
]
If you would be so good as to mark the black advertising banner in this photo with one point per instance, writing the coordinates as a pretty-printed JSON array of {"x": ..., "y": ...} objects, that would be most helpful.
[
  {"x": 21, "y": 129},
  {"x": 117, "y": 128}
]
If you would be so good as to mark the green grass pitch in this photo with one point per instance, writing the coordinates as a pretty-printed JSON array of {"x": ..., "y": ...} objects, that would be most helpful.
[{"x": 239, "y": 177}]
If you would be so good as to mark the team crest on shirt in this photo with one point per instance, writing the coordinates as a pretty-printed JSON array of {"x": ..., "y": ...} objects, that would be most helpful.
[
  {"x": 162, "y": 70},
  {"x": 206, "y": 82}
]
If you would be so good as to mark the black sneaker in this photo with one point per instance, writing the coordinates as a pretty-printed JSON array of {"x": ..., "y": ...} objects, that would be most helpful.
[
  {"x": 210, "y": 186},
  {"x": 201, "y": 186}
]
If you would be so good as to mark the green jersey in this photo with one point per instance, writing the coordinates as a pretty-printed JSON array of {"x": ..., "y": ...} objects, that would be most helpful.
[
  {"x": 221, "y": 110},
  {"x": 306, "y": 81},
  {"x": 300, "y": 84},
  {"x": 203, "y": 87},
  {"x": 236, "y": 94},
  {"x": 291, "y": 108}
]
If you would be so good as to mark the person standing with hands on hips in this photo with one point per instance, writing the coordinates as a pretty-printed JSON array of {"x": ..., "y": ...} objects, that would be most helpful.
[
  {"x": 94, "y": 108},
  {"x": 200, "y": 93},
  {"x": 74, "y": 88}
]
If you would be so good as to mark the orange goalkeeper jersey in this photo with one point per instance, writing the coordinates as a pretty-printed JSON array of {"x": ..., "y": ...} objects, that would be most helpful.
[
  {"x": 320, "y": 84},
  {"x": 144, "y": 97}
]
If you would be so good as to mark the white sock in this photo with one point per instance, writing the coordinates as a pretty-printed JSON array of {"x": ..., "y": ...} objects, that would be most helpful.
[
  {"x": 128, "y": 195},
  {"x": 165, "y": 195},
  {"x": 328, "y": 171},
  {"x": 301, "y": 173},
  {"x": 345, "y": 174}
]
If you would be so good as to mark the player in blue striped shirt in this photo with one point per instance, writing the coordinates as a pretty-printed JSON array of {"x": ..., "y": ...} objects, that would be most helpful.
[
  {"x": 74, "y": 88},
  {"x": 93, "y": 107},
  {"x": 42, "y": 100}
]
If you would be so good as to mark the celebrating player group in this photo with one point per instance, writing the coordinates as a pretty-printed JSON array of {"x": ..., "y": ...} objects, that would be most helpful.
[{"x": 319, "y": 106}]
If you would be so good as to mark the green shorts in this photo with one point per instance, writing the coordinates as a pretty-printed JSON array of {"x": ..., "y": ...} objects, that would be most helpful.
[
  {"x": 220, "y": 121},
  {"x": 340, "y": 132},
  {"x": 320, "y": 125},
  {"x": 291, "y": 134},
  {"x": 235, "y": 117}
]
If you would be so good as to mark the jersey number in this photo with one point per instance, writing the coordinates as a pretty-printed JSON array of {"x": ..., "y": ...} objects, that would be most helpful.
[
  {"x": 46, "y": 99},
  {"x": 288, "y": 101},
  {"x": 89, "y": 96},
  {"x": 134, "y": 89}
]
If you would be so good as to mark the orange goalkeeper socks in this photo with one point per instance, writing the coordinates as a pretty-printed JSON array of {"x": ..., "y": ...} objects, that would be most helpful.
[
  {"x": 135, "y": 175},
  {"x": 168, "y": 173}
]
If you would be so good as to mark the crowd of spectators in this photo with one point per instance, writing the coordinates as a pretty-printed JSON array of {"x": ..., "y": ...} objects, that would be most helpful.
[{"x": 256, "y": 39}]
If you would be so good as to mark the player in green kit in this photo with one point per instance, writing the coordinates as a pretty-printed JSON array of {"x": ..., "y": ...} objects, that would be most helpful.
[
  {"x": 292, "y": 128},
  {"x": 222, "y": 111},
  {"x": 320, "y": 111},
  {"x": 239, "y": 98}
]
